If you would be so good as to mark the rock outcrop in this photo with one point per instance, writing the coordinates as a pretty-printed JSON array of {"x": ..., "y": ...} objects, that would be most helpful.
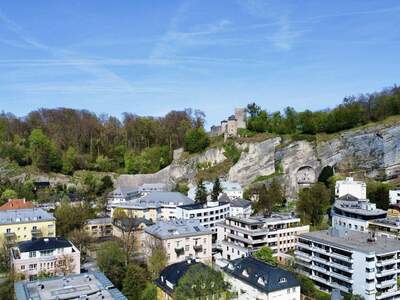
[{"x": 374, "y": 150}]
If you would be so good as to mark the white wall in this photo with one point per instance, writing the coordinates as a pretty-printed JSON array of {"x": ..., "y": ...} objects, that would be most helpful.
[{"x": 357, "y": 189}]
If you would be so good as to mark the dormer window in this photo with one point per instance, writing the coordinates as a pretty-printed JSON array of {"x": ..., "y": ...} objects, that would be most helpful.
[
  {"x": 261, "y": 280},
  {"x": 282, "y": 280},
  {"x": 245, "y": 273},
  {"x": 230, "y": 267}
]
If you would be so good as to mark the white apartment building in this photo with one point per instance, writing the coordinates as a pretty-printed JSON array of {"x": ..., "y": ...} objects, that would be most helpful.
[
  {"x": 51, "y": 255},
  {"x": 231, "y": 189},
  {"x": 181, "y": 239},
  {"x": 394, "y": 197},
  {"x": 352, "y": 262},
  {"x": 253, "y": 279},
  {"x": 351, "y": 213},
  {"x": 357, "y": 189},
  {"x": 209, "y": 213},
  {"x": 240, "y": 236}
]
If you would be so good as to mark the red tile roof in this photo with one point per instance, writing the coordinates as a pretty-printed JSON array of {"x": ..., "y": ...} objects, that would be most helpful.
[{"x": 16, "y": 204}]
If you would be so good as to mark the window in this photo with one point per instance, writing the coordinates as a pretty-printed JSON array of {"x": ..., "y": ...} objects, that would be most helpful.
[
  {"x": 282, "y": 280},
  {"x": 370, "y": 258},
  {"x": 187, "y": 248},
  {"x": 32, "y": 254},
  {"x": 22, "y": 267},
  {"x": 32, "y": 267}
]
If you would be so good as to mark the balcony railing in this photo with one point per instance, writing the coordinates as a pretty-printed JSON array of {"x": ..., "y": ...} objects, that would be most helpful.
[
  {"x": 198, "y": 248},
  {"x": 179, "y": 251}
]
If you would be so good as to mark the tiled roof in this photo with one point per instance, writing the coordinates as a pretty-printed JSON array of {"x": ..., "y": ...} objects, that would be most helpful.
[
  {"x": 260, "y": 275},
  {"x": 173, "y": 273},
  {"x": 177, "y": 228},
  {"x": 48, "y": 243},
  {"x": 16, "y": 204},
  {"x": 25, "y": 215}
]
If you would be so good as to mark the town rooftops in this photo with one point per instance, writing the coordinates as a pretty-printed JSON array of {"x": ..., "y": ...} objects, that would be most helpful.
[
  {"x": 203, "y": 205},
  {"x": 387, "y": 222},
  {"x": 354, "y": 240},
  {"x": 99, "y": 221},
  {"x": 90, "y": 286},
  {"x": 170, "y": 276},
  {"x": 260, "y": 275},
  {"x": 149, "y": 187},
  {"x": 25, "y": 215},
  {"x": 16, "y": 204},
  {"x": 156, "y": 200},
  {"x": 351, "y": 204},
  {"x": 274, "y": 218},
  {"x": 238, "y": 202},
  {"x": 125, "y": 192},
  {"x": 177, "y": 228},
  {"x": 47, "y": 243},
  {"x": 131, "y": 223}
]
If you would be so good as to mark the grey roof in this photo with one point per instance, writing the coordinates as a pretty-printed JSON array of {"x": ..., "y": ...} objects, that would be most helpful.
[
  {"x": 272, "y": 278},
  {"x": 125, "y": 192},
  {"x": 91, "y": 285},
  {"x": 355, "y": 206},
  {"x": 388, "y": 221},
  {"x": 238, "y": 202},
  {"x": 48, "y": 243},
  {"x": 97, "y": 221},
  {"x": 354, "y": 240},
  {"x": 26, "y": 215},
  {"x": 177, "y": 228},
  {"x": 156, "y": 200},
  {"x": 153, "y": 187},
  {"x": 131, "y": 223},
  {"x": 202, "y": 205},
  {"x": 264, "y": 220},
  {"x": 173, "y": 273}
]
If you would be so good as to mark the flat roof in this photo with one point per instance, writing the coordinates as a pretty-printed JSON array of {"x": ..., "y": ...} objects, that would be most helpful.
[
  {"x": 156, "y": 200},
  {"x": 98, "y": 221},
  {"x": 354, "y": 240},
  {"x": 203, "y": 205},
  {"x": 25, "y": 215},
  {"x": 264, "y": 220},
  {"x": 177, "y": 228},
  {"x": 94, "y": 285}
]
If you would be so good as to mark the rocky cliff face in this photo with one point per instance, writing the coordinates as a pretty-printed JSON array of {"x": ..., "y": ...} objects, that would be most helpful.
[{"x": 374, "y": 150}]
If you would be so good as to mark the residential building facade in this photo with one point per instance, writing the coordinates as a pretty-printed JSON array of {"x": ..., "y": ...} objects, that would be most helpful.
[
  {"x": 49, "y": 255},
  {"x": 209, "y": 214},
  {"x": 351, "y": 213},
  {"x": 24, "y": 224},
  {"x": 99, "y": 228},
  {"x": 182, "y": 240},
  {"x": 240, "y": 236},
  {"x": 253, "y": 279},
  {"x": 229, "y": 188},
  {"x": 153, "y": 206},
  {"x": 89, "y": 286},
  {"x": 350, "y": 186},
  {"x": 352, "y": 262}
]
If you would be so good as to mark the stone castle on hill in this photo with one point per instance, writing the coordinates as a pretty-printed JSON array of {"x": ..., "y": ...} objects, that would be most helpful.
[{"x": 229, "y": 128}]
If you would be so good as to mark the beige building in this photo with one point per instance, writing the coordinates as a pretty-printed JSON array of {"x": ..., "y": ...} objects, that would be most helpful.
[
  {"x": 25, "y": 224},
  {"x": 99, "y": 228},
  {"x": 51, "y": 256},
  {"x": 153, "y": 206},
  {"x": 182, "y": 240},
  {"x": 131, "y": 228},
  {"x": 240, "y": 236}
]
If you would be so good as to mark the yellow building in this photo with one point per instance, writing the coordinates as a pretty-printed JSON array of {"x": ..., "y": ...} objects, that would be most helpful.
[
  {"x": 100, "y": 228},
  {"x": 25, "y": 224}
]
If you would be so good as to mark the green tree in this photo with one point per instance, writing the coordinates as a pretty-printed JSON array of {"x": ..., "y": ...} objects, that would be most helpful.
[
  {"x": 201, "y": 193},
  {"x": 269, "y": 197},
  {"x": 265, "y": 254},
  {"x": 134, "y": 282},
  {"x": 103, "y": 163},
  {"x": 69, "y": 163},
  {"x": 149, "y": 293},
  {"x": 378, "y": 193},
  {"x": 200, "y": 282},
  {"x": 111, "y": 261},
  {"x": 196, "y": 140},
  {"x": 70, "y": 217},
  {"x": 43, "y": 152},
  {"x": 313, "y": 204},
  {"x": 217, "y": 189},
  {"x": 157, "y": 260},
  {"x": 8, "y": 194}
]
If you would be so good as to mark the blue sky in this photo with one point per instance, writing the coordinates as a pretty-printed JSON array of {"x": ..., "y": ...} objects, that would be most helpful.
[{"x": 149, "y": 57}]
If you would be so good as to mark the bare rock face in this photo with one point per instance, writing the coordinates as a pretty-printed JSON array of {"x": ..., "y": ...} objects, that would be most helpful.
[
  {"x": 375, "y": 150},
  {"x": 259, "y": 160}
]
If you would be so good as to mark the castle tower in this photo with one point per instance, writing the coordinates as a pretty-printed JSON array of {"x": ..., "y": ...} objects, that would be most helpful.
[{"x": 240, "y": 115}]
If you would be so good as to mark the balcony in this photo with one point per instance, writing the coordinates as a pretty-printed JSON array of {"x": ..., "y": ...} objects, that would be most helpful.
[
  {"x": 9, "y": 235},
  {"x": 386, "y": 284},
  {"x": 342, "y": 267},
  {"x": 36, "y": 232},
  {"x": 387, "y": 272},
  {"x": 179, "y": 251},
  {"x": 303, "y": 256},
  {"x": 342, "y": 257},
  {"x": 341, "y": 277},
  {"x": 387, "y": 294},
  {"x": 387, "y": 262},
  {"x": 198, "y": 248}
]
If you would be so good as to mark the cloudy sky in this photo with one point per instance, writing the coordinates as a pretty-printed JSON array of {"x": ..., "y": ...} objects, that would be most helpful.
[{"x": 149, "y": 57}]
